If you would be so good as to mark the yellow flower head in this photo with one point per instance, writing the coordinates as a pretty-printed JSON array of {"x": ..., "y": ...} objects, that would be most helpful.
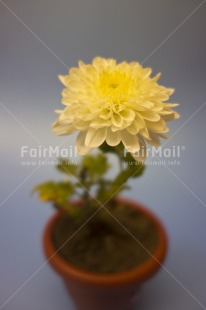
[{"x": 113, "y": 103}]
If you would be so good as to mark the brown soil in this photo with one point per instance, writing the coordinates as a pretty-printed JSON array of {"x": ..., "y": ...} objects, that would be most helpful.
[{"x": 103, "y": 245}]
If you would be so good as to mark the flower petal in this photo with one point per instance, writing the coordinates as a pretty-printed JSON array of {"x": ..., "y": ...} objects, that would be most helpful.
[
  {"x": 95, "y": 137},
  {"x": 154, "y": 139},
  {"x": 145, "y": 133},
  {"x": 133, "y": 128},
  {"x": 163, "y": 136},
  {"x": 176, "y": 115},
  {"x": 170, "y": 117},
  {"x": 117, "y": 120},
  {"x": 99, "y": 123},
  {"x": 128, "y": 114},
  {"x": 150, "y": 115},
  {"x": 81, "y": 125},
  {"x": 171, "y": 105},
  {"x": 62, "y": 129},
  {"x": 62, "y": 79},
  {"x": 113, "y": 138},
  {"x": 80, "y": 143},
  {"x": 141, "y": 155},
  {"x": 159, "y": 126},
  {"x": 105, "y": 114},
  {"x": 130, "y": 142}
]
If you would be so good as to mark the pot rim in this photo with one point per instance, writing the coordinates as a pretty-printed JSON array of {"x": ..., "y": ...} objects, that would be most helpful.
[{"x": 138, "y": 274}]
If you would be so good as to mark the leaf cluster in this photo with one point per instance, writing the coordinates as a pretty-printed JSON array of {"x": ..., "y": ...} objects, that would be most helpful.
[{"x": 89, "y": 178}]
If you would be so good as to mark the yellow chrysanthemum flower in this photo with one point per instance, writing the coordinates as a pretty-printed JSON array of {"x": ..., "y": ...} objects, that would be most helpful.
[{"x": 111, "y": 102}]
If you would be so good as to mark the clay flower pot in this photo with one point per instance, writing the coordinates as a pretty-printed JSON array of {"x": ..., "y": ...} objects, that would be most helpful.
[{"x": 92, "y": 291}]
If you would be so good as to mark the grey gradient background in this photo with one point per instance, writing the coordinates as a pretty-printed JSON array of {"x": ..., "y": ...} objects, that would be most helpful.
[{"x": 167, "y": 35}]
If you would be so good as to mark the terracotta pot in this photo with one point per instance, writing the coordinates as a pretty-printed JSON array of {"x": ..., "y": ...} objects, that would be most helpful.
[{"x": 93, "y": 291}]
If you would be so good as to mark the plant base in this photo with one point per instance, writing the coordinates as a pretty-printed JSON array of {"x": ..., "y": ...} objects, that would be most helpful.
[
  {"x": 115, "y": 240},
  {"x": 103, "y": 290}
]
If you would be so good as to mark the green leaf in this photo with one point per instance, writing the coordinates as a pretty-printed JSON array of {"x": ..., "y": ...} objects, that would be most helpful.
[
  {"x": 95, "y": 165},
  {"x": 122, "y": 178},
  {"x": 135, "y": 169},
  {"x": 66, "y": 167},
  {"x": 118, "y": 149},
  {"x": 107, "y": 148},
  {"x": 56, "y": 192},
  {"x": 117, "y": 185}
]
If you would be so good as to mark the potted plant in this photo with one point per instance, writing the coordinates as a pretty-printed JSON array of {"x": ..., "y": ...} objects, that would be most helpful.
[{"x": 105, "y": 246}]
